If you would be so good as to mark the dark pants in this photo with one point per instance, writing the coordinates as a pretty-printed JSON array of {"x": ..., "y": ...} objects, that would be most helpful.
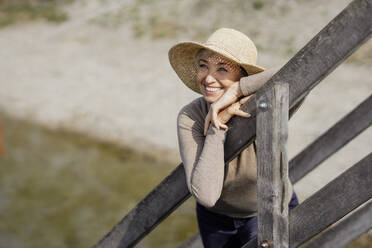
[{"x": 217, "y": 230}]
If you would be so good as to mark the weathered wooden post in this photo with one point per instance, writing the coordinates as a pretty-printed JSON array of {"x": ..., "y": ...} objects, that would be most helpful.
[{"x": 272, "y": 168}]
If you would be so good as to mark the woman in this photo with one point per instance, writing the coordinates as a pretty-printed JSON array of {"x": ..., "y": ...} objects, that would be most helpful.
[{"x": 223, "y": 69}]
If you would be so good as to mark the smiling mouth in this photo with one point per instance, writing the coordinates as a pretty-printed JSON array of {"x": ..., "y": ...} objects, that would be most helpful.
[{"x": 212, "y": 89}]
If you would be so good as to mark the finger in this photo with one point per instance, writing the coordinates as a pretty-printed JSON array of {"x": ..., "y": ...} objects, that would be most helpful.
[
  {"x": 224, "y": 116},
  {"x": 214, "y": 119},
  {"x": 241, "y": 113},
  {"x": 245, "y": 99},
  {"x": 233, "y": 108},
  {"x": 223, "y": 126}
]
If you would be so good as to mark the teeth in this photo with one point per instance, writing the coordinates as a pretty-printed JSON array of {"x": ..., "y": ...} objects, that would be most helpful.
[{"x": 212, "y": 89}]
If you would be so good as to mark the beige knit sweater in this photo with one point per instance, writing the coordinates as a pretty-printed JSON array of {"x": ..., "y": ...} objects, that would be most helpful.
[{"x": 230, "y": 190}]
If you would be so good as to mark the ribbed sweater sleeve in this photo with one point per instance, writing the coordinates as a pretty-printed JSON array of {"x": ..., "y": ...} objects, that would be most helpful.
[
  {"x": 252, "y": 83},
  {"x": 202, "y": 156}
]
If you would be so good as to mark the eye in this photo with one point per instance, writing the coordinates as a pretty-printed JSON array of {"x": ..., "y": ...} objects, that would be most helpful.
[
  {"x": 222, "y": 69},
  {"x": 203, "y": 66}
]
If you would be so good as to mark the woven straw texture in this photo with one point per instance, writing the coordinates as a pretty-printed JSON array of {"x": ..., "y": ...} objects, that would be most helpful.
[{"x": 229, "y": 43}]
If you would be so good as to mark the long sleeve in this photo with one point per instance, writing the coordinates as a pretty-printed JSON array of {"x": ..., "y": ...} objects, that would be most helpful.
[
  {"x": 202, "y": 156},
  {"x": 252, "y": 83}
]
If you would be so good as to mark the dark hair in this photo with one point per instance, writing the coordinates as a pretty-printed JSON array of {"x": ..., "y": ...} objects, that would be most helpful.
[{"x": 244, "y": 72}]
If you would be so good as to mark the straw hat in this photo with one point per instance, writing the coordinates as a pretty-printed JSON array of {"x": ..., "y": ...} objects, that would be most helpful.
[{"x": 226, "y": 42}]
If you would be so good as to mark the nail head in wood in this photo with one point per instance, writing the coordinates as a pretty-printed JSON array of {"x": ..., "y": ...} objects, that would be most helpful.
[
  {"x": 265, "y": 244},
  {"x": 263, "y": 106}
]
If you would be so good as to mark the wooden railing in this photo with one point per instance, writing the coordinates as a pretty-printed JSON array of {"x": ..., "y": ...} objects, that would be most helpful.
[
  {"x": 332, "y": 45},
  {"x": 327, "y": 144},
  {"x": 273, "y": 187}
]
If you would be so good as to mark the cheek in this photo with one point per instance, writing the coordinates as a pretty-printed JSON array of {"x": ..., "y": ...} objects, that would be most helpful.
[
  {"x": 227, "y": 86},
  {"x": 236, "y": 75},
  {"x": 229, "y": 78},
  {"x": 200, "y": 76},
  {"x": 198, "y": 79},
  {"x": 228, "y": 81}
]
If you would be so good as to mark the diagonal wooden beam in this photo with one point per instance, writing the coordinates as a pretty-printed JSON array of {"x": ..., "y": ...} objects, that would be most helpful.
[
  {"x": 338, "y": 198},
  {"x": 156, "y": 206},
  {"x": 345, "y": 33},
  {"x": 349, "y": 229},
  {"x": 331, "y": 46},
  {"x": 332, "y": 140},
  {"x": 331, "y": 203}
]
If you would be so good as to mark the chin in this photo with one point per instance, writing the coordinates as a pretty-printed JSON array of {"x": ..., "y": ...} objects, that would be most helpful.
[{"x": 211, "y": 99}]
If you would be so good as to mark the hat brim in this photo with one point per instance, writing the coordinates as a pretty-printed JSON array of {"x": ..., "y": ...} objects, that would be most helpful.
[{"x": 182, "y": 60}]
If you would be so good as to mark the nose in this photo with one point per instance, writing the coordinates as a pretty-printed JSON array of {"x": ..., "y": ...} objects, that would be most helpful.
[{"x": 210, "y": 79}]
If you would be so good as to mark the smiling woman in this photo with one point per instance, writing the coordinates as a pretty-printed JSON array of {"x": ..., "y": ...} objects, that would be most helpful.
[
  {"x": 223, "y": 70},
  {"x": 215, "y": 74}
]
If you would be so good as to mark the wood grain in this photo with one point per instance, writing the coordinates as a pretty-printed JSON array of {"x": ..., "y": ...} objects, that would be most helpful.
[
  {"x": 332, "y": 45},
  {"x": 349, "y": 229},
  {"x": 272, "y": 166},
  {"x": 335, "y": 200},
  {"x": 332, "y": 140}
]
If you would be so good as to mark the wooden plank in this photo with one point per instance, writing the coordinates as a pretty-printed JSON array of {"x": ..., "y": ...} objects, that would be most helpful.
[
  {"x": 272, "y": 167},
  {"x": 193, "y": 242},
  {"x": 349, "y": 30},
  {"x": 165, "y": 198},
  {"x": 347, "y": 230},
  {"x": 332, "y": 45},
  {"x": 345, "y": 193},
  {"x": 332, "y": 202},
  {"x": 336, "y": 137},
  {"x": 335, "y": 200},
  {"x": 332, "y": 140}
]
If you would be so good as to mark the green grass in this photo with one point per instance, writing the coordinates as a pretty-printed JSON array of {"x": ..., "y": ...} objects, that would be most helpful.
[{"x": 16, "y": 11}]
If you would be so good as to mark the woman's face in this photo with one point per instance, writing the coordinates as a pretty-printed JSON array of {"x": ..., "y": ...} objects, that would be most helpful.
[{"x": 215, "y": 75}]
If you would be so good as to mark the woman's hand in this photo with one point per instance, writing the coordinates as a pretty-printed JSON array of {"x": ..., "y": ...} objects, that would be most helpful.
[
  {"x": 227, "y": 99},
  {"x": 234, "y": 109}
]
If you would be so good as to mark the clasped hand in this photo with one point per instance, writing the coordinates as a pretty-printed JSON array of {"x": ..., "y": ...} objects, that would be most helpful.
[{"x": 229, "y": 105}]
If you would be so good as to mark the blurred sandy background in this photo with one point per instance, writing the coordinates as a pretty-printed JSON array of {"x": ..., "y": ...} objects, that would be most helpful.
[{"x": 99, "y": 69}]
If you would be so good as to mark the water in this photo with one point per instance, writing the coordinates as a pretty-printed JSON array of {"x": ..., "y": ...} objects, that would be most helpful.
[{"x": 60, "y": 189}]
